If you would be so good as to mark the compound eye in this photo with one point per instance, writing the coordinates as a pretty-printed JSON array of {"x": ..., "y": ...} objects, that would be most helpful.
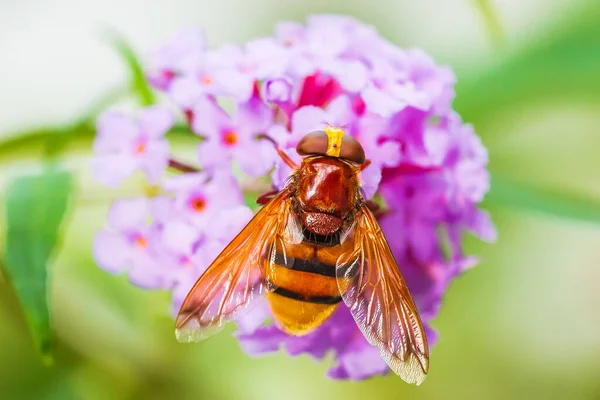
[
  {"x": 313, "y": 143},
  {"x": 317, "y": 143},
  {"x": 352, "y": 150}
]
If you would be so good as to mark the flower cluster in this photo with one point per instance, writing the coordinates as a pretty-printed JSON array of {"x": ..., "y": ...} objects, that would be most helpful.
[{"x": 427, "y": 167}]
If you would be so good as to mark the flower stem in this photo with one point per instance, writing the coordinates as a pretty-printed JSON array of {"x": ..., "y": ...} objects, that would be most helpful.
[
  {"x": 182, "y": 167},
  {"x": 492, "y": 22}
]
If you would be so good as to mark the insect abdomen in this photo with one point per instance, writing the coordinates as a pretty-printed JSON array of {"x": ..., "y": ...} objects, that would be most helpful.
[{"x": 303, "y": 288}]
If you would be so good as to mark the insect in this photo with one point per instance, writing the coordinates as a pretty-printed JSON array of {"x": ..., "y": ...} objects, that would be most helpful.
[{"x": 313, "y": 246}]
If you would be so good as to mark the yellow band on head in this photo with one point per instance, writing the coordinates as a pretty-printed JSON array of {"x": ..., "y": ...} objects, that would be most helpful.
[{"x": 334, "y": 141}]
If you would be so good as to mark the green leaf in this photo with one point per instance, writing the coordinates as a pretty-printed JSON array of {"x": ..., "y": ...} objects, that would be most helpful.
[
  {"x": 139, "y": 84},
  {"x": 563, "y": 64},
  {"x": 559, "y": 204},
  {"x": 51, "y": 140},
  {"x": 35, "y": 208},
  {"x": 250, "y": 197}
]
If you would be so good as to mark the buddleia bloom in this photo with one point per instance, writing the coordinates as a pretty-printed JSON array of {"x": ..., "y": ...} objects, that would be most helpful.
[{"x": 428, "y": 169}]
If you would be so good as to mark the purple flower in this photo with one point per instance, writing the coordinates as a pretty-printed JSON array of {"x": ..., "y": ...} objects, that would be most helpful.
[
  {"x": 123, "y": 145},
  {"x": 427, "y": 168},
  {"x": 338, "y": 333},
  {"x": 417, "y": 206},
  {"x": 196, "y": 252},
  {"x": 277, "y": 90},
  {"x": 320, "y": 47},
  {"x": 372, "y": 133},
  {"x": 128, "y": 244},
  {"x": 388, "y": 93},
  {"x": 187, "y": 90},
  {"x": 202, "y": 215},
  {"x": 204, "y": 78},
  {"x": 183, "y": 54},
  {"x": 430, "y": 79},
  {"x": 241, "y": 68},
  {"x": 234, "y": 137},
  {"x": 408, "y": 79},
  {"x": 197, "y": 197}
]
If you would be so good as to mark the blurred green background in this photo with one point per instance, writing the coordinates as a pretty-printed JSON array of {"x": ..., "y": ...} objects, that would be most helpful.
[{"x": 525, "y": 323}]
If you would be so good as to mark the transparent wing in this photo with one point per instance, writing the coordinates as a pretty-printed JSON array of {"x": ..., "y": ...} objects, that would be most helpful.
[
  {"x": 235, "y": 277},
  {"x": 378, "y": 298}
]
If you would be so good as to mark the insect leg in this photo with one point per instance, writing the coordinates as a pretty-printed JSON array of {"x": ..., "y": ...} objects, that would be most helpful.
[
  {"x": 374, "y": 207},
  {"x": 365, "y": 165},
  {"x": 266, "y": 197},
  {"x": 286, "y": 159}
]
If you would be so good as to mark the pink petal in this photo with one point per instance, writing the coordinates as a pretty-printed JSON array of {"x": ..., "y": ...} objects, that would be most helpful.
[
  {"x": 129, "y": 214},
  {"x": 258, "y": 159},
  {"x": 280, "y": 135},
  {"x": 340, "y": 111},
  {"x": 209, "y": 118},
  {"x": 253, "y": 116},
  {"x": 112, "y": 169},
  {"x": 183, "y": 53},
  {"x": 155, "y": 121},
  {"x": 184, "y": 182},
  {"x": 227, "y": 223},
  {"x": 208, "y": 253},
  {"x": 161, "y": 207},
  {"x": 277, "y": 90},
  {"x": 228, "y": 55},
  {"x": 409, "y": 94},
  {"x": 481, "y": 223},
  {"x": 267, "y": 56},
  {"x": 359, "y": 364},
  {"x": 111, "y": 251},
  {"x": 389, "y": 154},
  {"x": 235, "y": 83},
  {"x": 179, "y": 237},
  {"x": 351, "y": 75},
  {"x": 155, "y": 160},
  {"x": 308, "y": 119},
  {"x": 223, "y": 182},
  {"x": 289, "y": 33},
  {"x": 255, "y": 317},
  {"x": 186, "y": 91},
  {"x": 144, "y": 272},
  {"x": 264, "y": 340},
  {"x": 212, "y": 155},
  {"x": 116, "y": 124},
  {"x": 422, "y": 240},
  {"x": 437, "y": 143},
  {"x": 381, "y": 103},
  {"x": 369, "y": 180},
  {"x": 324, "y": 42}
]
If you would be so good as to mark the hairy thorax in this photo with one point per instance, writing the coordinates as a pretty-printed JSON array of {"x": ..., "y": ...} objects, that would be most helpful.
[{"x": 327, "y": 193}]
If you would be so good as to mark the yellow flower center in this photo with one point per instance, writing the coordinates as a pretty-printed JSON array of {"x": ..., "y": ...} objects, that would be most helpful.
[
  {"x": 230, "y": 138},
  {"x": 198, "y": 204},
  {"x": 141, "y": 242},
  {"x": 140, "y": 147}
]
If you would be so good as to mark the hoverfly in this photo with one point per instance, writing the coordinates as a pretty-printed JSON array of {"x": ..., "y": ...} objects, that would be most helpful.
[{"x": 314, "y": 244}]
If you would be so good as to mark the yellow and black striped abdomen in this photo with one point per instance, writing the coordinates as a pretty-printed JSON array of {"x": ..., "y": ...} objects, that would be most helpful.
[{"x": 304, "y": 290}]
